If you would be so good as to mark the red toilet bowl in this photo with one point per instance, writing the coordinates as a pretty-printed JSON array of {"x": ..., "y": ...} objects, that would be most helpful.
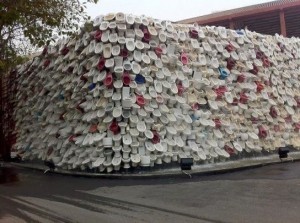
[
  {"x": 156, "y": 138},
  {"x": 184, "y": 58},
  {"x": 140, "y": 100},
  {"x": 114, "y": 127},
  {"x": 101, "y": 64},
  {"x": 98, "y": 35},
  {"x": 126, "y": 79},
  {"x": 108, "y": 81},
  {"x": 262, "y": 133}
]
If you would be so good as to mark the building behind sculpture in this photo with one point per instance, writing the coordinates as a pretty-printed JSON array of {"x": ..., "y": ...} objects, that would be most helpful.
[{"x": 282, "y": 17}]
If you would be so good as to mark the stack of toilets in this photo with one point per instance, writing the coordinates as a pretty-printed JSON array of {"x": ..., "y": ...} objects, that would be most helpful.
[{"x": 133, "y": 91}]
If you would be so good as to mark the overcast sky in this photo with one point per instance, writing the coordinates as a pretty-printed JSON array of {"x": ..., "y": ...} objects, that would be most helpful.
[{"x": 173, "y": 10}]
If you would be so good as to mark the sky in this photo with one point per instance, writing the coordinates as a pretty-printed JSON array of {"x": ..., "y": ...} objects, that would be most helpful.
[{"x": 172, "y": 10}]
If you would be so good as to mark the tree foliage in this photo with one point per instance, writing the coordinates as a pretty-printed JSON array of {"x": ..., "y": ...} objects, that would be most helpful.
[{"x": 32, "y": 23}]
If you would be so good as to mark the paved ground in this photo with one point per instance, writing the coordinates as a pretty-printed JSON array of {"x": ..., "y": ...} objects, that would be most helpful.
[{"x": 265, "y": 194}]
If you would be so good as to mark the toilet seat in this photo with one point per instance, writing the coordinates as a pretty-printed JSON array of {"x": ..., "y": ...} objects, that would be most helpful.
[{"x": 127, "y": 140}]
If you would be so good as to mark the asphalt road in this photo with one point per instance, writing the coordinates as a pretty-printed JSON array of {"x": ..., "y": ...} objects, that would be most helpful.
[{"x": 266, "y": 194}]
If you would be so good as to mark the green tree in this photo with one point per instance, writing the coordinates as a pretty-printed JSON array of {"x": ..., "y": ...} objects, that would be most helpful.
[{"x": 29, "y": 24}]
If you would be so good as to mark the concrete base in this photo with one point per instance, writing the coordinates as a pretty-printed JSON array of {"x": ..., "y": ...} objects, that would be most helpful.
[{"x": 173, "y": 172}]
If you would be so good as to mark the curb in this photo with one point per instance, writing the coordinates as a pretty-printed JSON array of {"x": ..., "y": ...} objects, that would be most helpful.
[{"x": 198, "y": 170}]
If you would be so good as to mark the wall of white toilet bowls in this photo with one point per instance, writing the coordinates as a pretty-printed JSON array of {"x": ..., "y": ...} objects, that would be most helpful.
[{"x": 136, "y": 91}]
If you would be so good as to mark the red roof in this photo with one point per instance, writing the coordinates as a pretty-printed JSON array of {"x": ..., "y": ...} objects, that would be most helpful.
[{"x": 244, "y": 11}]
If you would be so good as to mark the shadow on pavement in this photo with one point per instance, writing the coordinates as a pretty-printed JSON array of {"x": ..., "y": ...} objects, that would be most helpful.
[
  {"x": 17, "y": 183},
  {"x": 8, "y": 175}
]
